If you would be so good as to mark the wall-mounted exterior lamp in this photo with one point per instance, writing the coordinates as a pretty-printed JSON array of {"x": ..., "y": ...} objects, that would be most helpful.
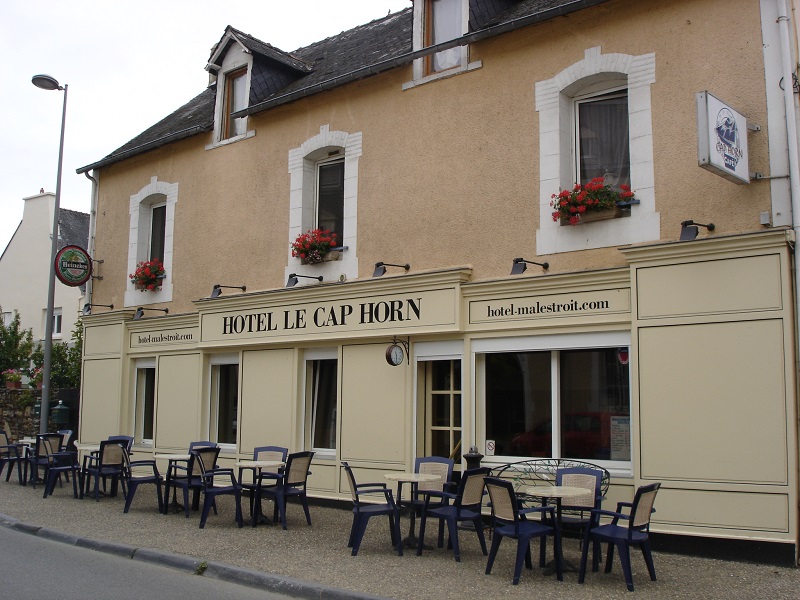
[
  {"x": 292, "y": 281},
  {"x": 521, "y": 265},
  {"x": 689, "y": 229},
  {"x": 87, "y": 308},
  {"x": 216, "y": 292},
  {"x": 380, "y": 268},
  {"x": 140, "y": 312}
]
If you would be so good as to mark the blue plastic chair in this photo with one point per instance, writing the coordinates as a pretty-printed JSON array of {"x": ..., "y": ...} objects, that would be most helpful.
[
  {"x": 211, "y": 486},
  {"x": 636, "y": 533},
  {"x": 290, "y": 482},
  {"x": 277, "y": 453},
  {"x": 466, "y": 506},
  {"x": 363, "y": 512},
  {"x": 509, "y": 520}
]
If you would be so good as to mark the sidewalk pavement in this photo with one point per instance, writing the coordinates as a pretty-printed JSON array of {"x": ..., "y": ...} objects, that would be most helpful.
[{"x": 315, "y": 561}]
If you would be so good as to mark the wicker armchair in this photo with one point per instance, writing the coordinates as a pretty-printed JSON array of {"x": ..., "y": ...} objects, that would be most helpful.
[
  {"x": 217, "y": 482},
  {"x": 636, "y": 533},
  {"x": 59, "y": 463}
]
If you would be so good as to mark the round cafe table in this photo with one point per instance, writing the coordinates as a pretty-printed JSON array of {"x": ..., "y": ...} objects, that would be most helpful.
[
  {"x": 172, "y": 460},
  {"x": 413, "y": 478},
  {"x": 257, "y": 466}
]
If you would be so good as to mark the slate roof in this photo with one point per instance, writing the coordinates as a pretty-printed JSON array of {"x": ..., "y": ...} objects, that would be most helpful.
[
  {"x": 74, "y": 228},
  {"x": 383, "y": 44}
]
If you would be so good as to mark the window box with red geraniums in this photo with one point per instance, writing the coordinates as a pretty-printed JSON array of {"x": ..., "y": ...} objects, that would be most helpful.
[
  {"x": 148, "y": 275},
  {"x": 593, "y": 201},
  {"x": 314, "y": 246}
]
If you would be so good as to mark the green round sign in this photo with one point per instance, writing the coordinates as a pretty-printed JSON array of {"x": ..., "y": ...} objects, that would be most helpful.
[{"x": 73, "y": 266}]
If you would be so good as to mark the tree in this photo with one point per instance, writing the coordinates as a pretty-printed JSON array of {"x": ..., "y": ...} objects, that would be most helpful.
[
  {"x": 15, "y": 345},
  {"x": 65, "y": 360}
]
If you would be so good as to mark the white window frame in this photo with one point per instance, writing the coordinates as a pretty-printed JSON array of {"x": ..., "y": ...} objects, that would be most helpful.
[
  {"x": 139, "y": 238},
  {"x": 214, "y": 363},
  {"x": 58, "y": 322},
  {"x": 138, "y": 405},
  {"x": 555, "y": 103},
  {"x": 302, "y": 199},
  {"x": 236, "y": 58},
  {"x": 421, "y": 75},
  {"x": 546, "y": 343}
]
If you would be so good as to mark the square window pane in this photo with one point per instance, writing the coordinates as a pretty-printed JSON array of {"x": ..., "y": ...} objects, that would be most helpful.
[
  {"x": 595, "y": 405},
  {"x": 518, "y": 403},
  {"x": 440, "y": 410},
  {"x": 441, "y": 375},
  {"x": 440, "y": 443}
]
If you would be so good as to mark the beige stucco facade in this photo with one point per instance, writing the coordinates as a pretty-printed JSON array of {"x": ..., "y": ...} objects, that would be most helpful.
[{"x": 447, "y": 177}]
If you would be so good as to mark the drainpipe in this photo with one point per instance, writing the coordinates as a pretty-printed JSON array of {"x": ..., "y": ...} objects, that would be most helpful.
[
  {"x": 787, "y": 72},
  {"x": 92, "y": 231}
]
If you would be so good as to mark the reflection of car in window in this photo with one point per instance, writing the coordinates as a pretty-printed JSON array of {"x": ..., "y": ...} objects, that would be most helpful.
[{"x": 583, "y": 435}]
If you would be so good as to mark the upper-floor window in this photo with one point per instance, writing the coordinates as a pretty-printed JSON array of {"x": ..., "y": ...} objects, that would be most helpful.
[
  {"x": 235, "y": 99},
  {"x": 593, "y": 117},
  {"x": 442, "y": 23},
  {"x": 330, "y": 198},
  {"x": 437, "y": 22},
  {"x": 151, "y": 235},
  {"x": 324, "y": 194},
  {"x": 601, "y": 138},
  {"x": 158, "y": 228}
]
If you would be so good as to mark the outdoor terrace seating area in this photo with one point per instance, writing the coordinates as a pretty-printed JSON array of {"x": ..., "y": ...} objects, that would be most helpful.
[{"x": 527, "y": 501}]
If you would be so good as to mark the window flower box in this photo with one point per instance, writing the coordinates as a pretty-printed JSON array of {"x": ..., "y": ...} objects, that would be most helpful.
[
  {"x": 594, "y": 201},
  {"x": 315, "y": 246},
  {"x": 148, "y": 275}
]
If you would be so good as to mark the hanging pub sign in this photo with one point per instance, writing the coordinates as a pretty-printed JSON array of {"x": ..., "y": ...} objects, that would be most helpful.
[
  {"x": 73, "y": 266},
  {"x": 721, "y": 139}
]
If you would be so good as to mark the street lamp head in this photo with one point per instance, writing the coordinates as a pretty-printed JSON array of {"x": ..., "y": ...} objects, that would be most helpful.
[{"x": 46, "y": 82}]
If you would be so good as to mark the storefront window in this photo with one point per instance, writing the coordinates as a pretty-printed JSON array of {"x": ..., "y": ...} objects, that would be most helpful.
[
  {"x": 322, "y": 392},
  {"x": 225, "y": 383},
  {"x": 145, "y": 403},
  {"x": 587, "y": 391}
]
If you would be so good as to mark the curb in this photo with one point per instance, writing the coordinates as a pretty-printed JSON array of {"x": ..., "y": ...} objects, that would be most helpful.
[{"x": 294, "y": 588}]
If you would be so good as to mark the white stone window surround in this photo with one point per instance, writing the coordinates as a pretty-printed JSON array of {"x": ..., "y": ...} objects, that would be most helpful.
[
  {"x": 420, "y": 75},
  {"x": 555, "y": 105},
  {"x": 302, "y": 201},
  {"x": 236, "y": 58},
  {"x": 156, "y": 192}
]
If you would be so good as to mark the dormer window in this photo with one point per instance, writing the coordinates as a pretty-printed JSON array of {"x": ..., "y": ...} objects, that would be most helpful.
[
  {"x": 443, "y": 23},
  {"x": 437, "y": 22},
  {"x": 235, "y": 99}
]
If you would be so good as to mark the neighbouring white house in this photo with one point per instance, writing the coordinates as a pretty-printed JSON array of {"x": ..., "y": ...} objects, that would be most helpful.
[{"x": 25, "y": 265}]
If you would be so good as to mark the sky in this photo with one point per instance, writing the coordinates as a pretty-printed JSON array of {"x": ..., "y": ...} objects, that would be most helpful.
[{"x": 127, "y": 65}]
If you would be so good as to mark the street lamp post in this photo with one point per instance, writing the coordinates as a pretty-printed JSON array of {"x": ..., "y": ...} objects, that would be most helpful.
[{"x": 46, "y": 82}]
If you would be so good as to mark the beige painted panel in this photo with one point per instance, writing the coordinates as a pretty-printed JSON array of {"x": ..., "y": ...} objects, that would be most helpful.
[
  {"x": 103, "y": 339},
  {"x": 712, "y": 402},
  {"x": 268, "y": 399},
  {"x": 178, "y": 401},
  {"x": 100, "y": 409},
  {"x": 373, "y": 417},
  {"x": 709, "y": 287},
  {"x": 323, "y": 476},
  {"x": 727, "y": 510}
]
